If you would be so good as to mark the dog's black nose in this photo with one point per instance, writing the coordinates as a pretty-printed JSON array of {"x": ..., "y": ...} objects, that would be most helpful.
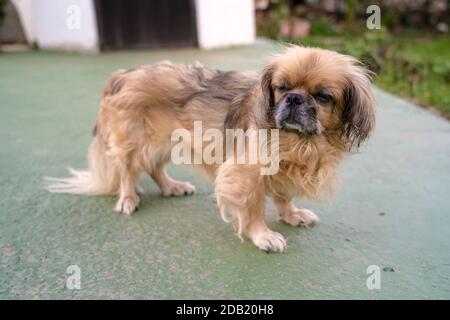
[{"x": 295, "y": 99}]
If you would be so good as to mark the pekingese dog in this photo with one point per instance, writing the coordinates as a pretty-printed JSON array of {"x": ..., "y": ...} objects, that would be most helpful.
[{"x": 320, "y": 102}]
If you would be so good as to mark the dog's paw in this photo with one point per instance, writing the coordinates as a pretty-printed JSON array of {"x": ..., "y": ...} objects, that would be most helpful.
[
  {"x": 178, "y": 188},
  {"x": 269, "y": 241},
  {"x": 300, "y": 218},
  {"x": 127, "y": 205}
]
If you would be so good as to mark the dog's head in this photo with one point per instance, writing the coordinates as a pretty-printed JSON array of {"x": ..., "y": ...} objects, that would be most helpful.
[{"x": 310, "y": 91}]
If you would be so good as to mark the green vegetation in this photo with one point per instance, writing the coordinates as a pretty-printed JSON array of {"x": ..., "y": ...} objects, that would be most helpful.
[
  {"x": 322, "y": 27},
  {"x": 410, "y": 65},
  {"x": 410, "y": 62}
]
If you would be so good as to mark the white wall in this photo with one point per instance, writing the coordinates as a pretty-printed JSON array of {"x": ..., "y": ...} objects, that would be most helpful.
[
  {"x": 223, "y": 23},
  {"x": 66, "y": 24},
  {"x": 25, "y": 10},
  {"x": 220, "y": 23}
]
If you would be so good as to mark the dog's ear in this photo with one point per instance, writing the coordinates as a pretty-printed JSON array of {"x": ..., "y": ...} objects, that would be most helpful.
[
  {"x": 238, "y": 114},
  {"x": 359, "y": 108},
  {"x": 266, "y": 85}
]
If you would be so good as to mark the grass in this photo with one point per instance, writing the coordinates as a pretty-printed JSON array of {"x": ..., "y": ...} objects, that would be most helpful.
[{"x": 412, "y": 65}]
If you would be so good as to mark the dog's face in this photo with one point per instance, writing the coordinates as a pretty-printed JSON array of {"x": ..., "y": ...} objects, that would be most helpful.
[{"x": 312, "y": 91}]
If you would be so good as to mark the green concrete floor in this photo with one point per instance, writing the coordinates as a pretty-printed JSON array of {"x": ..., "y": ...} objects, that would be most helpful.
[{"x": 393, "y": 209}]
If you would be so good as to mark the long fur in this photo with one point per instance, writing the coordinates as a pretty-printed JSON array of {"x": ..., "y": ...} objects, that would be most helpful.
[
  {"x": 101, "y": 178},
  {"x": 141, "y": 107}
]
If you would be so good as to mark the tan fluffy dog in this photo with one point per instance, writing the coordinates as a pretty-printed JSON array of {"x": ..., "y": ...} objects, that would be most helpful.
[{"x": 321, "y": 101}]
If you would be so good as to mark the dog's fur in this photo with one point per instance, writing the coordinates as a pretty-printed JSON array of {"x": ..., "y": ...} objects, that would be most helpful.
[{"x": 141, "y": 107}]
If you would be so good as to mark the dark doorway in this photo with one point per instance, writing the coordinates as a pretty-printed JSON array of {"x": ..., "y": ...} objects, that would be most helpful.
[{"x": 146, "y": 23}]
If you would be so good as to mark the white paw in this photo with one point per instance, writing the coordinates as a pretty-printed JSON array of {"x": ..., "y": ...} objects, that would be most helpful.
[
  {"x": 269, "y": 241},
  {"x": 178, "y": 188},
  {"x": 300, "y": 218},
  {"x": 127, "y": 205}
]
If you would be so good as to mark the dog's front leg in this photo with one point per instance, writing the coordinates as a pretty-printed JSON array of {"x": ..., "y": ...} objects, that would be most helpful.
[
  {"x": 240, "y": 189},
  {"x": 292, "y": 215}
]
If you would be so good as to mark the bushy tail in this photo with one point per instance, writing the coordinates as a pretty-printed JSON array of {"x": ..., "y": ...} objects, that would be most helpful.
[{"x": 102, "y": 177}]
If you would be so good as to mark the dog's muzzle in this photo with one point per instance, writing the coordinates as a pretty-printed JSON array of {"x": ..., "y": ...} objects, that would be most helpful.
[{"x": 296, "y": 115}]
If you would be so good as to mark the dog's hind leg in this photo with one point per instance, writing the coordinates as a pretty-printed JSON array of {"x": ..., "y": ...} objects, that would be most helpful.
[
  {"x": 128, "y": 198},
  {"x": 128, "y": 171},
  {"x": 155, "y": 165},
  {"x": 169, "y": 186},
  {"x": 292, "y": 215}
]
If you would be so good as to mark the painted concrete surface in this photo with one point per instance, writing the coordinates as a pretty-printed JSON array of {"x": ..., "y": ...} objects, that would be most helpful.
[{"x": 392, "y": 210}]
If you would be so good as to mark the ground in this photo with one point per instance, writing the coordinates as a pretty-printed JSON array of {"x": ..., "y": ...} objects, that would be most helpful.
[{"x": 392, "y": 209}]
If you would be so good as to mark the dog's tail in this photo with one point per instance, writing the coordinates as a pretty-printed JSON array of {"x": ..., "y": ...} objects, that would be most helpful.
[{"x": 102, "y": 177}]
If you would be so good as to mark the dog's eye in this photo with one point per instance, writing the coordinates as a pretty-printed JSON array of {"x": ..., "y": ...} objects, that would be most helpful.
[
  {"x": 282, "y": 88},
  {"x": 323, "y": 97}
]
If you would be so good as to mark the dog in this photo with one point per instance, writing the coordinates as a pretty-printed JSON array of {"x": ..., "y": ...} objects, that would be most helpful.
[{"x": 320, "y": 102}]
